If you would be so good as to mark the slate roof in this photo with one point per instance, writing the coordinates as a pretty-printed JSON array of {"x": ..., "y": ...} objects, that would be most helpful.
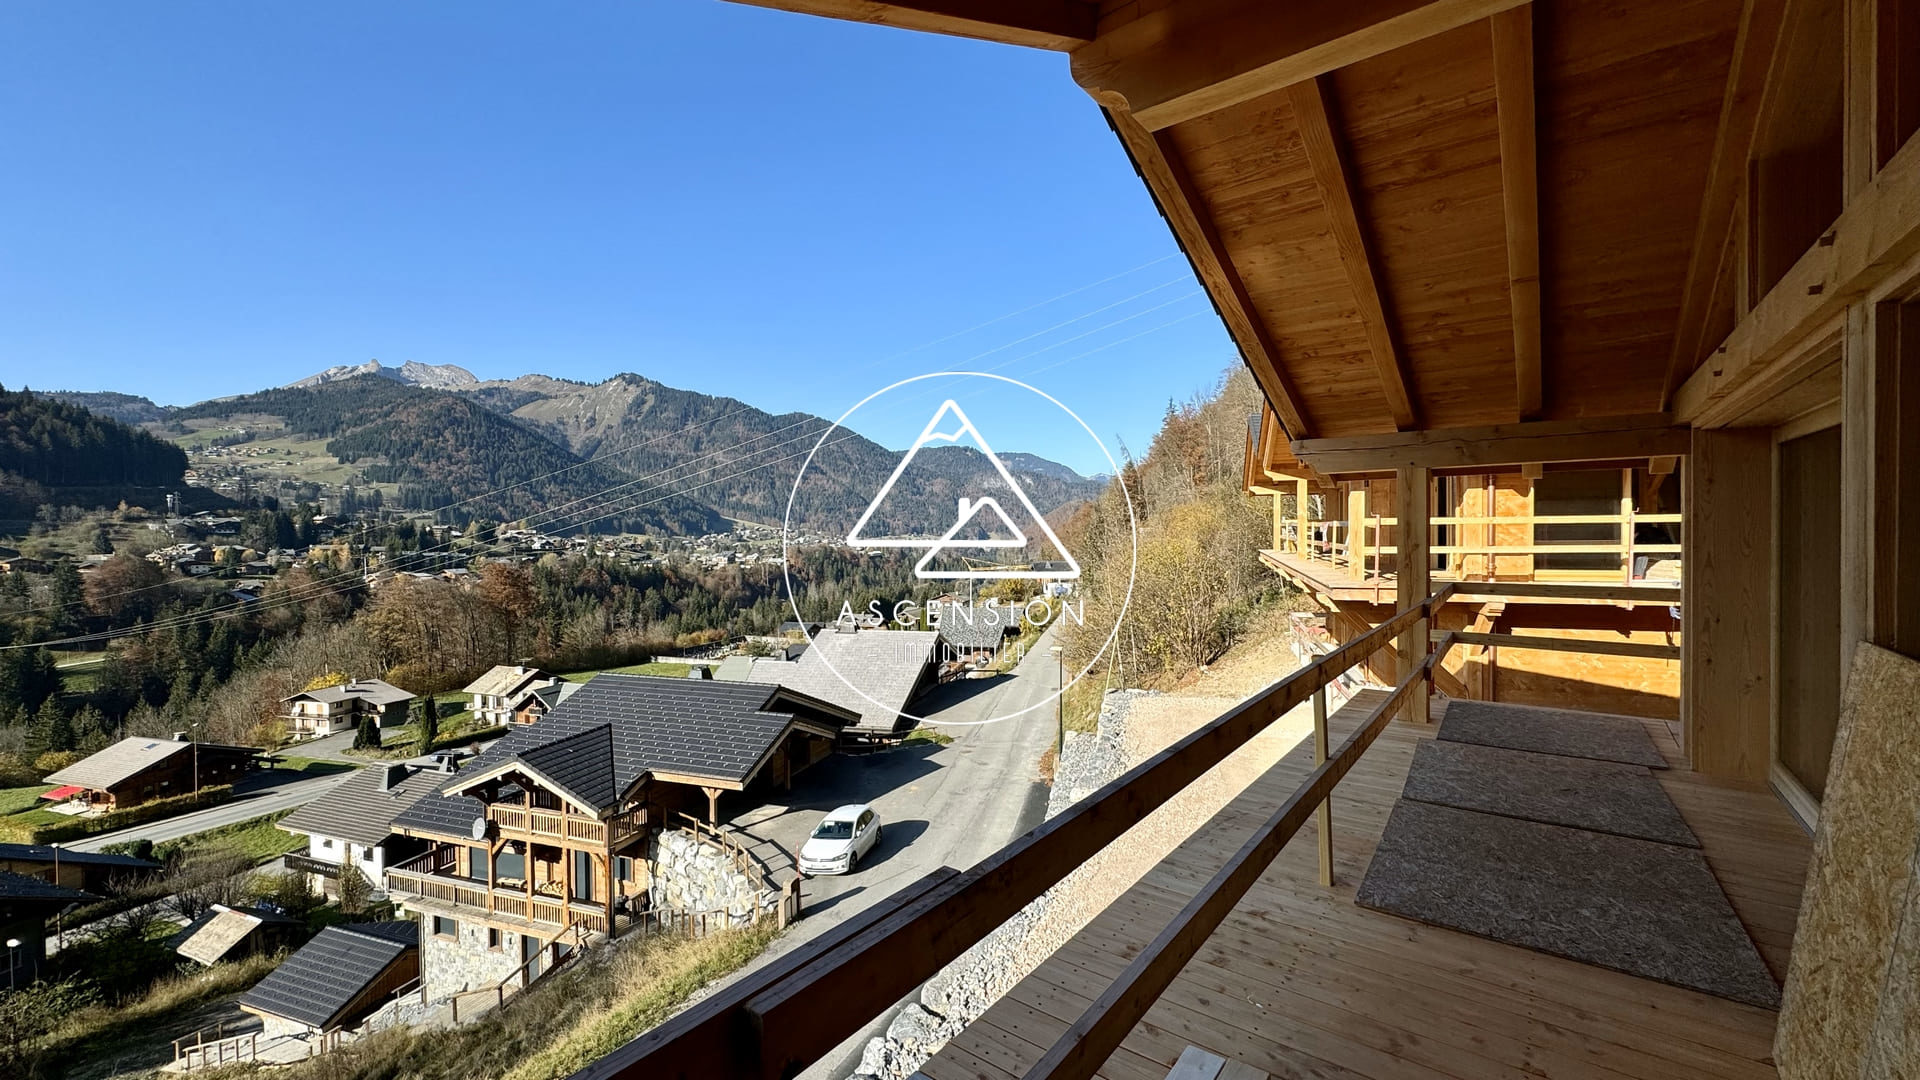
[
  {"x": 44, "y": 853},
  {"x": 581, "y": 765},
  {"x": 371, "y": 691},
  {"x": 361, "y": 809},
  {"x": 504, "y": 679},
  {"x": 21, "y": 887},
  {"x": 977, "y": 626},
  {"x": 118, "y": 763},
  {"x": 886, "y": 666},
  {"x": 617, "y": 728},
  {"x": 316, "y": 985}
]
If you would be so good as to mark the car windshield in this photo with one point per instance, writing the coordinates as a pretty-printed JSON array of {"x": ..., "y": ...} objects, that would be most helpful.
[{"x": 831, "y": 829}]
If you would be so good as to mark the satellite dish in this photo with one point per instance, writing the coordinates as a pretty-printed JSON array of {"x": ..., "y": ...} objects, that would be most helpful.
[{"x": 480, "y": 825}]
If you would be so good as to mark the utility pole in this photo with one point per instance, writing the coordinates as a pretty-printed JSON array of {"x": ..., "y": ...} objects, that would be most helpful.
[{"x": 1059, "y": 703}]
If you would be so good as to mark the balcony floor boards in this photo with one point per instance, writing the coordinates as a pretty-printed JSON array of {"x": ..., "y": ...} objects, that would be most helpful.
[{"x": 1301, "y": 982}]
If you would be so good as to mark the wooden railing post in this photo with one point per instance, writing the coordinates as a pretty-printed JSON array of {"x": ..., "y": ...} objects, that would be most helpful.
[{"x": 1325, "y": 812}]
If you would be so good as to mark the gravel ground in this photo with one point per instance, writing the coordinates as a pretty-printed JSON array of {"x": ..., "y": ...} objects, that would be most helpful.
[{"x": 1133, "y": 725}]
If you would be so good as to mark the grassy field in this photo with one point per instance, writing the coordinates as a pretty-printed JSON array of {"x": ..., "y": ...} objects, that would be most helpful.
[
  {"x": 313, "y": 766},
  {"x": 260, "y": 839},
  {"x": 557, "y": 1026},
  {"x": 671, "y": 669},
  {"x": 101, "y": 1041},
  {"x": 20, "y": 799}
]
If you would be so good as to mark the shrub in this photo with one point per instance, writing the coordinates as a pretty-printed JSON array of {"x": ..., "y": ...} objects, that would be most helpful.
[
  {"x": 54, "y": 760},
  {"x": 77, "y": 828}
]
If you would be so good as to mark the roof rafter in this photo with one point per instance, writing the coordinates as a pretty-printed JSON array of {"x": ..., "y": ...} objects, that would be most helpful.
[
  {"x": 1330, "y": 174},
  {"x": 1159, "y": 164},
  {"x": 1192, "y": 58},
  {"x": 1760, "y": 27},
  {"x": 1059, "y": 25},
  {"x": 1513, "y": 92}
]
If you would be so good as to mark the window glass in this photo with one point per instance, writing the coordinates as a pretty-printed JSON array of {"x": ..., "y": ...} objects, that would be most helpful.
[
  {"x": 510, "y": 864},
  {"x": 1584, "y": 493}
]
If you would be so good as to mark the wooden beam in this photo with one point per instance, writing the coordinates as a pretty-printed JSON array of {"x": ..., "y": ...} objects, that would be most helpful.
[
  {"x": 1159, "y": 164},
  {"x": 1878, "y": 231},
  {"x": 1520, "y": 196},
  {"x": 1059, "y": 25},
  {"x": 1501, "y": 444},
  {"x": 1412, "y": 507},
  {"x": 1759, "y": 33},
  {"x": 1328, "y": 161},
  {"x": 1191, "y": 58},
  {"x": 1643, "y": 649}
]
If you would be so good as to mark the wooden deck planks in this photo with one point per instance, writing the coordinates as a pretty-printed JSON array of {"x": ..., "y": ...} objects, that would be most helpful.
[{"x": 1301, "y": 982}]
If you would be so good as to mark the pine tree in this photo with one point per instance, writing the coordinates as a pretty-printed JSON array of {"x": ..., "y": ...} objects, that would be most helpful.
[
  {"x": 367, "y": 735},
  {"x": 428, "y": 723}
]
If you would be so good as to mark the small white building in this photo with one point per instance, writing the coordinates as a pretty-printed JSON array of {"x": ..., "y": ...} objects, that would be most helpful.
[
  {"x": 496, "y": 693},
  {"x": 352, "y": 825}
]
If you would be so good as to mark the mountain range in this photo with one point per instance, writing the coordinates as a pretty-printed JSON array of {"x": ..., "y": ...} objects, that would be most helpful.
[{"x": 625, "y": 454}]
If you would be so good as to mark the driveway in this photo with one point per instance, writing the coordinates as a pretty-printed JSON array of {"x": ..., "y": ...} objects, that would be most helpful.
[
  {"x": 939, "y": 805},
  {"x": 261, "y": 793}
]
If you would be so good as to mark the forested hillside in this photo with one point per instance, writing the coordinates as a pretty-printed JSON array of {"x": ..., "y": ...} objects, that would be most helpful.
[
  {"x": 744, "y": 460},
  {"x": 1199, "y": 581},
  {"x": 53, "y": 452},
  {"x": 443, "y": 448}
]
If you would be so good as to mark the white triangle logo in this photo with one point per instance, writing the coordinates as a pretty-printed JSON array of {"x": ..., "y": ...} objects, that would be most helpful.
[{"x": 967, "y": 511}]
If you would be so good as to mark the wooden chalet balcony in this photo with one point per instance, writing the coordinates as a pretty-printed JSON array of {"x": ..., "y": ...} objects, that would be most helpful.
[
  {"x": 430, "y": 882},
  {"x": 553, "y": 825},
  {"x": 1252, "y": 947}
]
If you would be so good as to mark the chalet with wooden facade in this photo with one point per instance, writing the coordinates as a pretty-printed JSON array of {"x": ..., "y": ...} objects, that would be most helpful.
[
  {"x": 137, "y": 770},
  {"x": 548, "y": 837},
  {"x": 1515, "y": 279}
]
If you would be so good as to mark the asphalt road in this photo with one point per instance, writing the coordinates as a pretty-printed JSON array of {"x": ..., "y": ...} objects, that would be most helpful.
[
  {"x": 939, "y": 805},
  {"x": 261, "y": 793}
]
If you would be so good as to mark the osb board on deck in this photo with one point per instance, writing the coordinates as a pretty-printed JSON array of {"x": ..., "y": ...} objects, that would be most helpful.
[
  {"x": 1854, "y": 995},
  {"x": 1300, "y": 982}
]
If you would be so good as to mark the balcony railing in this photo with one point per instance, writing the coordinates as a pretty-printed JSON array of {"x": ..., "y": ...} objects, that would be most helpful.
[
  {"x": 790, "y": 1012},
  {"x": 567, "y": 828},
  {"x": 1356, "y": 545},
  {"x": 307, "y": 865},
  {"x": 432, "y": 877}
]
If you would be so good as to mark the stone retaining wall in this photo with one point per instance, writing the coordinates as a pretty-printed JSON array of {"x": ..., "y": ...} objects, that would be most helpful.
[{"x": 694, "y": 877}]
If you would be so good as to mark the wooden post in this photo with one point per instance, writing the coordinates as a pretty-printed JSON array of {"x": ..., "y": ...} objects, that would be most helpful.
[
  {"x": 1279, "y": 525},
  {"x": 1300, "y": 497},
  {"x": 1357, "y": 530},
  {"x": 1726, "y": 669},
  {"x": 1626, "y": 525},
  {"x": 1411, "y": 510},
  {"x": 1326, "y": 804},
  {"x": 713, "y": 806}
]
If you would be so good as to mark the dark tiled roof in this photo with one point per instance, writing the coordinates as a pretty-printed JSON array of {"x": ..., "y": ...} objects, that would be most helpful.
[
  {"x": 318, "y": 983},
  {"x": 44, "y": 853},
  {"x": 21, "y": 887},
  {"x": 703, "y": 728},
  {"x": 360, "y": 810},
  {"x": 580, "y": 765}
]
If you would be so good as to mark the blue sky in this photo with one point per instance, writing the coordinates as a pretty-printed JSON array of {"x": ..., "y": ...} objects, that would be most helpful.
[{"x": 209, "y": 198}]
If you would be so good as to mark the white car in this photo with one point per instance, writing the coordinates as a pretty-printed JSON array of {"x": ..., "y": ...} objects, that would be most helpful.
[{"x": 841, "y": 838}]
